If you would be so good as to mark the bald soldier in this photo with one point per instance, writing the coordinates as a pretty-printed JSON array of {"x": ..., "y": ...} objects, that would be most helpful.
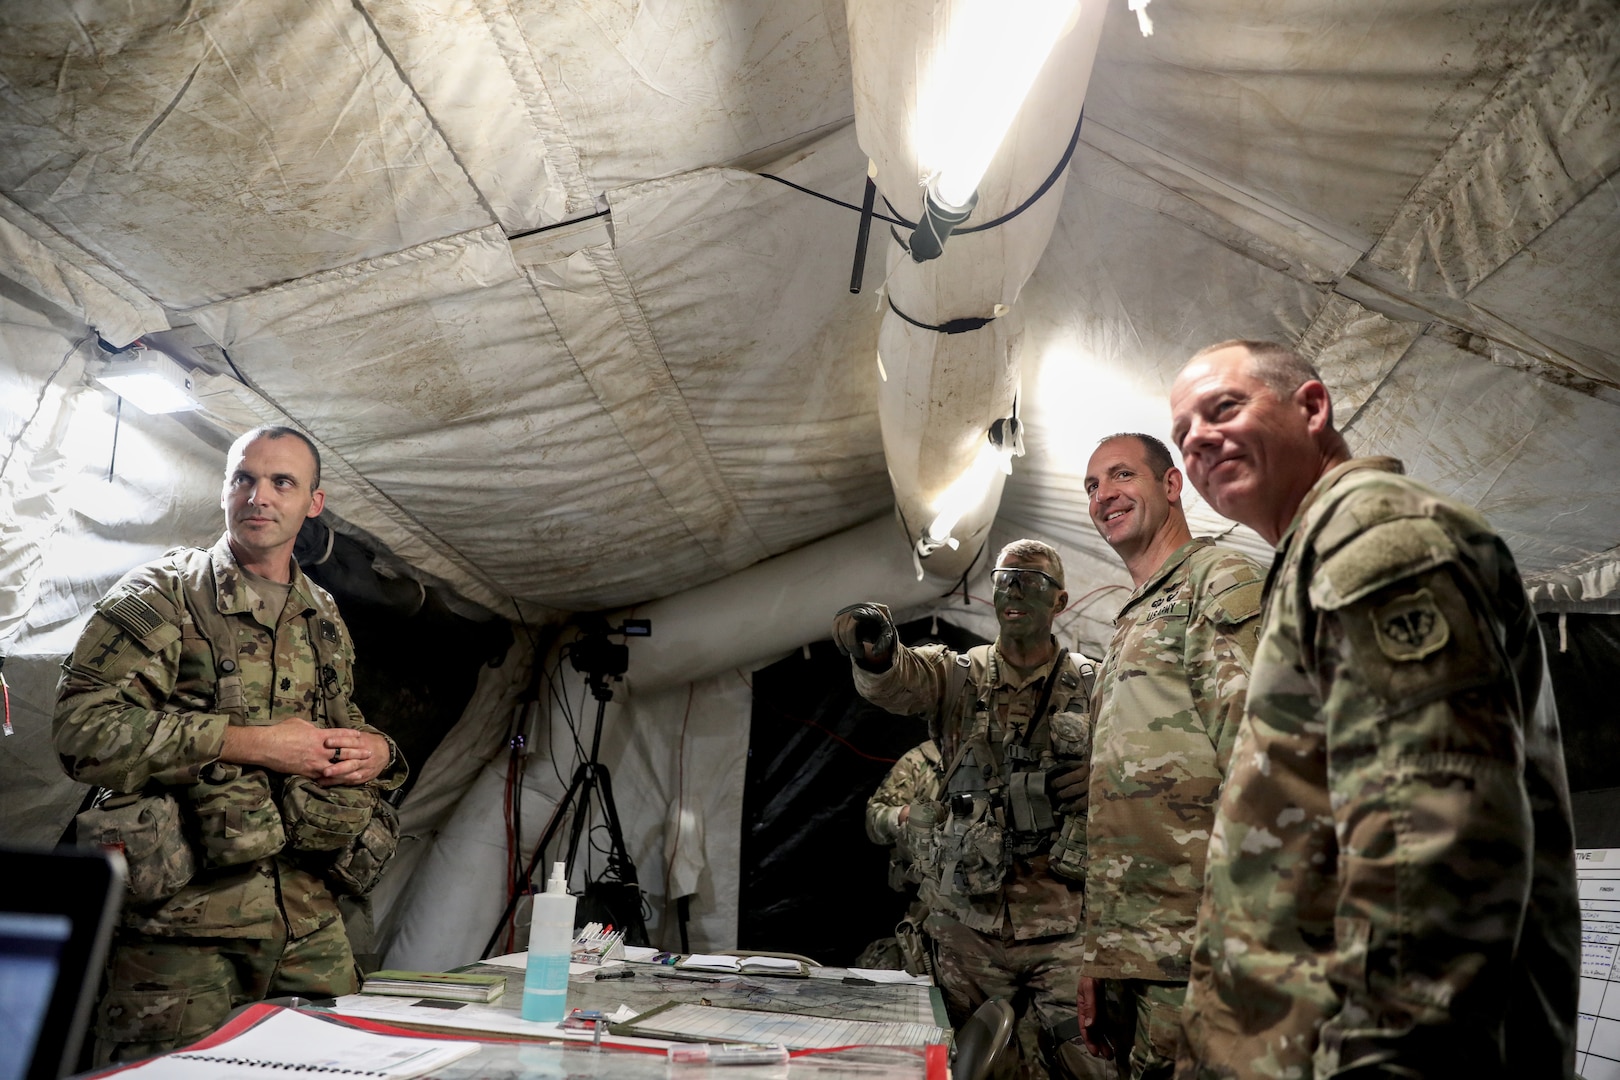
[
  {"x": 210, "y": 699},
  {"x": 1169, "y": 697},
  {"x": 1391, "y": 885}
]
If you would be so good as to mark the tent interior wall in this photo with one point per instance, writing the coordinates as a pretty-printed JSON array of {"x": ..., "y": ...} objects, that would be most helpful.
[{"x": 526, "y": 274}]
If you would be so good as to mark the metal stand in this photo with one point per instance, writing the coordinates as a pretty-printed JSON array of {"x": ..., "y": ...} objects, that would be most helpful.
[{"x": 590, "y": 779}]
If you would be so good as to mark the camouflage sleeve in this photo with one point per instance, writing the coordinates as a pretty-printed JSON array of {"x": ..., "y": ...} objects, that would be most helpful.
[
  {"x": 915, "y": 683},
  {"x": 1429, "y": 806},
  {"x": 898, "y": 789},
  {"x": 1220, "y": 646},
  {"x": 116, "y": 722}
]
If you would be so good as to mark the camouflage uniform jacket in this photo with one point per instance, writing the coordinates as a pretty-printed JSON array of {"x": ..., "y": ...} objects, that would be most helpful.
[
  {"x": 1391, "y": 879},
  {"x": 1169, "y": 697},
  {"x": 917, "y": 777},
  {"x": 137, "y": 709},
  {"x": 976, "y": 693}
]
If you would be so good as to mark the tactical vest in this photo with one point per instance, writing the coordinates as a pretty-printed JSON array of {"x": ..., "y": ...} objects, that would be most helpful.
[
  {"x": 237, "y": 814},
  {"x": 994, "y": 811}
]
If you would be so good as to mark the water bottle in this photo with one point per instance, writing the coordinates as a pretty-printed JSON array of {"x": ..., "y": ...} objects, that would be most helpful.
[{"x": 551, "y": 944}]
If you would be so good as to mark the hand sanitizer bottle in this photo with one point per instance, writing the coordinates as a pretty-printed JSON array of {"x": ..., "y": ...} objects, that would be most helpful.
[{"x": 551, "y": 943}]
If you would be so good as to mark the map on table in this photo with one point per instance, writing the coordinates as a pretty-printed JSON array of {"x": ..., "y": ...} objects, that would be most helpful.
[{"x": 796, "y": 1031}]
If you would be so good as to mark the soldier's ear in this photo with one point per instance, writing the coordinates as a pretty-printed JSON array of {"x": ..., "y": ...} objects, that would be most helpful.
[
  {"x": 1062, "y": 602},
  {"x": 317, "y": 502},
  {"x": 1172, "y": 485}
]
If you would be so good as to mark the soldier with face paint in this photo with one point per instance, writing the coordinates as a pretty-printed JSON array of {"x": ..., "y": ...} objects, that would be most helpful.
[
  {"x": 209, "y": 699},
  {"x": 1013, "y": 724},
  {"x": 1391, "y": 884}
]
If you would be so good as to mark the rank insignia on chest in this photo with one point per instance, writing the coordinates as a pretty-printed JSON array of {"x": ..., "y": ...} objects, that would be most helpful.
[{"x": 1410, "y": 627}]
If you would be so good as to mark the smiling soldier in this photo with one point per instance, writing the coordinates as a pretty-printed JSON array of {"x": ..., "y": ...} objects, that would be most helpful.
[
  {"x": 1013, "y": 725},
  {"x": 1391, "y": 885},
  {"x": 1169, "y": 697}
]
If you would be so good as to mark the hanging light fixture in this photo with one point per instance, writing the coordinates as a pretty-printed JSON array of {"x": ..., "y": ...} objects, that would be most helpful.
[
  {"x": 148, "y": 380},
  {"x": 1003, "y": 442},
  {"x": 993, "y": 51}
]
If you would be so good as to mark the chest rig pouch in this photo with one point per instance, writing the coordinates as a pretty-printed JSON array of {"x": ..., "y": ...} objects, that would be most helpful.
[
  {"x": 240, "y": 813},
  {"x": 231, "y": 809},
  {"x": 996, "y": 809}
]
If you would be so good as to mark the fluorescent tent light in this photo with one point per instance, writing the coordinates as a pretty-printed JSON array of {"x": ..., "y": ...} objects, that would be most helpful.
[
  {"x": 151, "y": 382},
  {"x": 964, "y": 495},
  {"x": 993, "y": 51}
]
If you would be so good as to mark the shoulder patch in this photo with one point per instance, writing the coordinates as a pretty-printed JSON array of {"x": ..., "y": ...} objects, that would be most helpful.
[
  {"x": 1237, "y": 604},
  {"x": 1410, "y": 627},
  {"x": 1383, "y": 555},
  {"x": 133, "y": 614}
]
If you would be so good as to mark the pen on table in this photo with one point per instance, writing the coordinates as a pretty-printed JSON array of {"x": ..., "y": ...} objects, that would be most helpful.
[
  {"x": 616, "y": 973},
  {"x": 693, "y": 978}
]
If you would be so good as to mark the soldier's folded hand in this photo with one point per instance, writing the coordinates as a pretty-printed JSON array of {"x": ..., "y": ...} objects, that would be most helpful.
[
  {"x": 866, "y": 632},
  {"x": 1069, "y": 786}
]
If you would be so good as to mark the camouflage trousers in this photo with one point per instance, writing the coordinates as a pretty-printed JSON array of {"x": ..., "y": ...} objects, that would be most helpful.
[
  {"x": 1039, "y": 978},
  {"x": 1149, "y": 1014},
  {"x": 164, "y": 993}
]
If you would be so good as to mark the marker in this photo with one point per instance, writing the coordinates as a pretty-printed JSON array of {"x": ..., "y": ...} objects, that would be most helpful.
[{"x": 728, "y": 1054}]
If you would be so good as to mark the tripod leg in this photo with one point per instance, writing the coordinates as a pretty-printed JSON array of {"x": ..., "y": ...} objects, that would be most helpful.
[
  {"x": 635, "y": 927},
  {"x": 575, "y": 787}
]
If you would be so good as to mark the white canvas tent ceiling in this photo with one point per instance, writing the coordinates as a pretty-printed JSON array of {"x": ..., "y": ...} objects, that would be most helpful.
[
  {"x": 351, "y": 207},
  {"x": 328, "y": 190}
]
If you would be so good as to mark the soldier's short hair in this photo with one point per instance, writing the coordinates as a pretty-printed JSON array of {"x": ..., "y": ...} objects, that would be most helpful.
[
  {"x": 1158, "y": 455},
  {"x": 1279, "y": 368},
  {"x": 279, "y": 431},
  {"x": 1034, "y": 549}
]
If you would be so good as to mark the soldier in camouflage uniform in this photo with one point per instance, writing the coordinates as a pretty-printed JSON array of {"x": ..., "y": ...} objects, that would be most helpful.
[
  {"x": 916, "y": 777},
  {"x": 244, "y": 771},
  {"x": 1168, "y": 700},
  {"x": 1391, "y": 884},
  {"x": 1013, "y": 725}
]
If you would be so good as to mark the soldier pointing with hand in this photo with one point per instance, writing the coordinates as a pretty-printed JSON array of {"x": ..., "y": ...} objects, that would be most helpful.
[{"x": 1013, "y": 724}]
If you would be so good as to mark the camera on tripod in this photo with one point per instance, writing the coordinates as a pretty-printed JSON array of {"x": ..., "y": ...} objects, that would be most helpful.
[
  {"x": 594, "y": 655},
  {"x": 599, "y": 659}
]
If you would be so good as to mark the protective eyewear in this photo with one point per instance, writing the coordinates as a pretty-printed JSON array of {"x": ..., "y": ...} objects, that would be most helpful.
[{"x": 1033, "y": 581}]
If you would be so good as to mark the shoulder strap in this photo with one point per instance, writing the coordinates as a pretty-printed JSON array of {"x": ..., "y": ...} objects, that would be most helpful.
[
  {"x": 200, "y": 591},
  {"x": 956, "y": 685},
  {"x": 1045, "y": 699}
]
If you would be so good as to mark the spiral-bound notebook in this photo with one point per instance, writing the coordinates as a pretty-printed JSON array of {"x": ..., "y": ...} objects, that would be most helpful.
[{"x": 288, "y": 1043}]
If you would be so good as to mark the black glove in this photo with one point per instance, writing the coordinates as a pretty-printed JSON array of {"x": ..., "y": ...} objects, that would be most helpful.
[
  {"x": 860, "y": 625},
  {"x": 1069, "y": 786}
]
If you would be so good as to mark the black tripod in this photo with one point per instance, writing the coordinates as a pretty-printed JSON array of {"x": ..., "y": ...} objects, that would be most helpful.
[{"x": 598, "y": 659}]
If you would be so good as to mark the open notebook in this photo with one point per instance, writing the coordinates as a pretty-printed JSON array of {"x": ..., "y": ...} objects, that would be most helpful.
[
  {"x": 744, "y": 965},
  {"x": 269, "y": 1041}
]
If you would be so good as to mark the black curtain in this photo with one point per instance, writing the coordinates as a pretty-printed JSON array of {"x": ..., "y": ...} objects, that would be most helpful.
[
  {"x": 812, "y": 882},
  {"x": 1584, "y": 657}
]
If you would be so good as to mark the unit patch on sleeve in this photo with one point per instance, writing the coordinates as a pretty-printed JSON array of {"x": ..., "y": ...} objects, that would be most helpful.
[{"x": 1410, "y": 627}]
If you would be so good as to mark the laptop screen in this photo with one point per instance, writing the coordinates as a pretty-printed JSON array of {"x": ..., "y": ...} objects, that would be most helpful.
[
  {"x": 57, "y": 910},
  {"x": 30, "y": 964}
]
